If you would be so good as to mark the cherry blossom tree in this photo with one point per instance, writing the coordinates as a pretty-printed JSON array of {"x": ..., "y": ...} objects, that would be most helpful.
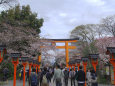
[{"x": 102, "y": 44}]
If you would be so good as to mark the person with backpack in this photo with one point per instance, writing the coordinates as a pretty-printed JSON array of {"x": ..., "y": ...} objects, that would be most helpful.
[
  {"x": 93, "y": 78},
  {"x": 58, "y": 75},
  {"x": 33, "y": 80},
  {"x": 66, "y": 76},
  {"x": 72, "y": 76},
  {"x": 48, "y": 76},
  {"x": 44, "y": 78},
  {"x": 81, "y": 77}
]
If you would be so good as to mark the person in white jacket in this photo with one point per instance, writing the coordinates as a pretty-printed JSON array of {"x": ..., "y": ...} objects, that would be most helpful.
[
  {"x": 58, "y": 75},
  {"x": 88, "y": 77}
]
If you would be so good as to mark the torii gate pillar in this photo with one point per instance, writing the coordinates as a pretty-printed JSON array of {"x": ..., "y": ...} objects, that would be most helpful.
[
  {"x": 67, "y": 53},
  {"x": 66, "y": 47}
]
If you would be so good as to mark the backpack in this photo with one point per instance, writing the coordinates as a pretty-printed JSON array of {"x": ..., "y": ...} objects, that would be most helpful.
[
  {"x": 33, "y": 80},
  {"x": 93, "y": 76},
  {"x": 44, "y": 81},
  {"x": 19, "y": 74}
]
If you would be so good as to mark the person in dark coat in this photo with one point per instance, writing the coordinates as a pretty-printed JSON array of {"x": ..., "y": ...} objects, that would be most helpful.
[
  {"x": 48, "y": 76},
  {"x": 5, "y": 71},
  {"x": 81, "y": 77},
  {"x": 27, "y": 75},
  {"x": 93, "y": 78},
  {"x": 66, "y": 76},
  {"x": 39, "y": 77},
  {"x": 44, "y": 71},
  {"x": 72, "y": 76}
]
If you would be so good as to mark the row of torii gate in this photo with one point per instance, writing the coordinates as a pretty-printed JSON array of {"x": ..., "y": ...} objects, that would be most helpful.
[{"x": 36, "y": 63}]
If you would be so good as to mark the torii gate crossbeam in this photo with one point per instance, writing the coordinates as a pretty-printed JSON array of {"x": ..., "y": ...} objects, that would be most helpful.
[{"x": 66, "y": 47}]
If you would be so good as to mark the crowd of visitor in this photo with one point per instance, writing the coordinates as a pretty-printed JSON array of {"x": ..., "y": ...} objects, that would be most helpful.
[{"x": 61, "y": 77}]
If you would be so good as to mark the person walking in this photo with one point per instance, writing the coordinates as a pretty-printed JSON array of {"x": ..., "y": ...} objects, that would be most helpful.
[
  {"x": 81, "y": 77},
  {"x": 44, "y": 81},
  {"x": 93, "y": 78},
  {"x": 76, "y": 74},
  {"x": 39, "y": 77},
  {"x": 66, "y": 76},
  {"x": 88, "y": 78},
  {"x": 58, "y": 75},
  {"x": 33, "y": 79},
  {"x": 48, "y": 76},
  {"x": 5, "y": 71},
  {"x": 72, "y": 76},
  {"x": 22, "y": 74},
  {"x": 27, "y": 74}
]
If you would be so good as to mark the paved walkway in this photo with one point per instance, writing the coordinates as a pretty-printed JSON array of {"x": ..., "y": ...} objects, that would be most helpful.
[{"x": 20, "y": 83}]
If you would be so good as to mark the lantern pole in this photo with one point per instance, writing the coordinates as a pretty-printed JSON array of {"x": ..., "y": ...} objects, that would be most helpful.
[
  {"x": 30, "y": 65},
  {"x": 2, "y": 52},
  {"x": 24, "y": 65},
  {"x": 39, "y": 60},
  {"x": 94, "y": 64},
  {"x": 15, "y": 66},
  {"x": 85, "y": 60},
  {"x": 1, "y": 56},
  {"x": 94, "y": 60},
  {"x": 15, "y": 62}
]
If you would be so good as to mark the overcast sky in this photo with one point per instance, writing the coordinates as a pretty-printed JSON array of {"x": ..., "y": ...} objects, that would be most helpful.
[{"x": 62, "y": 16}]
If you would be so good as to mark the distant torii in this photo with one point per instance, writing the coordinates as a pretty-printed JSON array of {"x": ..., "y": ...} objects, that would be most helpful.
[{"x": 66, "y": 47}]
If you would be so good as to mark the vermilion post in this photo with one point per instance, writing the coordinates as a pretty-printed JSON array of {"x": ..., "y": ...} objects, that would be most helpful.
[
  {"x": 24, "y": 65},
  {"x": 30, "y": 65},
  {"x": 78, "y": 64},
  {"x": 15, "y": 63},
  {"x": 112, "y": 61},
  {"x": 94, "y": 64},
  {"x": 39, "y": 60},
  {"x": 111, "y": 53},
  {"x": 74, "y": 67},
  {"x": 1, "y": 56},
  {"x": 34, "y": 65},
  {"x": 85, "y": 65},
  {"x": 67, "y": 53},
  {"x": 114, "y": 73},
  {"x": 69, "y": 67}
]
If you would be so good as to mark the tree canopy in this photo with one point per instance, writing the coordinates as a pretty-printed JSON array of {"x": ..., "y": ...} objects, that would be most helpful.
[
  {"x": 20, "y": 29},
  {"x": 21, "y": 16},
  {"x": 86, "y": 44},
  {"x": 95, "y": 38}
]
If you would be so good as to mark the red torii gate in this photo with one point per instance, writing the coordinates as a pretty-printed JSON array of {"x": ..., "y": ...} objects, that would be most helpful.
[{"x": 66, "y": 47}]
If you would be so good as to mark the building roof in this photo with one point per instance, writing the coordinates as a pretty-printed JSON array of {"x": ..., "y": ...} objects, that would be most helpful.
[{"x": 111, "y": 49}]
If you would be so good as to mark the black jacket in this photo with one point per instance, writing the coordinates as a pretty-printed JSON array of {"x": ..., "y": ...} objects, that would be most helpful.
[
  {"x": 66, "y": 74},
  {"x": 81, "y": 75}
]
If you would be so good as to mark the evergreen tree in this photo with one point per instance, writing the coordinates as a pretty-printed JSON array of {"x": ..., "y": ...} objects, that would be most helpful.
[{"x": 21, "y": 16}]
